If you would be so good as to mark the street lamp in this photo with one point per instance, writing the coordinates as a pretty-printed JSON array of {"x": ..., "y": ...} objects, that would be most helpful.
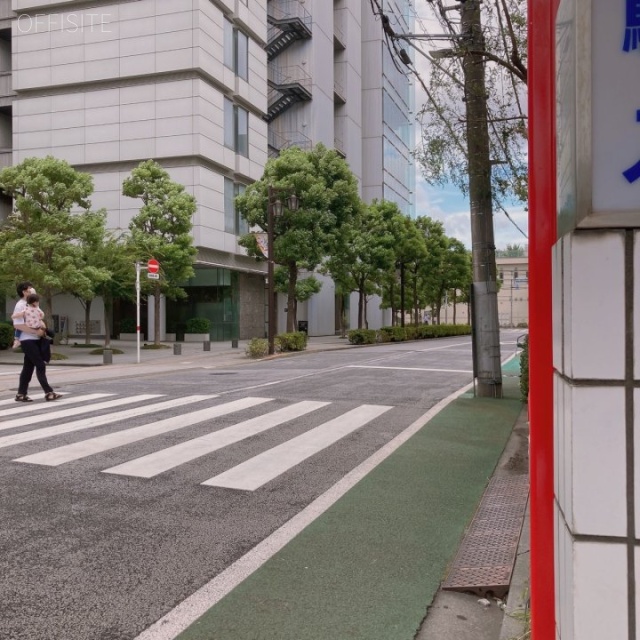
[{"x": 274, "y": 210}]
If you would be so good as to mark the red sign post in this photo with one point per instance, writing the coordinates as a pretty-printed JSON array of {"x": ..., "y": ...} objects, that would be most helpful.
[{"x": 153, "y": 266}]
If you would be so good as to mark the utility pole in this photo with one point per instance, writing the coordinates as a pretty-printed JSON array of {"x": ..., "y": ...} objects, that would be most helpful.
[{"x": 485, "y": 291}]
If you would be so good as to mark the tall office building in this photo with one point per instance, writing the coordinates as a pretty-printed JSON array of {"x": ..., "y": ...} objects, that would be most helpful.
[{"x": 209, "y": 89}]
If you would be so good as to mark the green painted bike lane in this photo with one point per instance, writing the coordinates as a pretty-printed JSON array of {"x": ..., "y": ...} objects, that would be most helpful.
[{"x": 369, "y": 567}]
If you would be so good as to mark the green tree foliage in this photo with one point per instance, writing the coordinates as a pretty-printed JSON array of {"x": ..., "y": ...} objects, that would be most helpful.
[
  {"x": 162, "y": 230},
  {"x": 362, "y": 252},
  {"x": 410, "y": 251},
  {"x": 46, "y": 236},
  {"x": 424, "y": 274},
  {"x": 512, "y": 251},
  {"x": 328, "y": 195},
  {"x": 443, "y": 150},
  {"x": 453, "y": 274}
]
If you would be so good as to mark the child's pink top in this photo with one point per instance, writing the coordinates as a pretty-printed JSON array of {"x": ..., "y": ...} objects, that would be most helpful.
[{"x": 33, "y": 317}]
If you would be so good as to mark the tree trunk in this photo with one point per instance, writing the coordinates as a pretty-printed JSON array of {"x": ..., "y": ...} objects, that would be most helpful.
[
  {"x": 87, "y": 321},
  {"x": 291, "y": 298},
  {"x": 361, "y": 303},
  {"x": 454, "y": 309},
  {"x": 108, "y": 306},
  {"x": 402, "y": 294}
]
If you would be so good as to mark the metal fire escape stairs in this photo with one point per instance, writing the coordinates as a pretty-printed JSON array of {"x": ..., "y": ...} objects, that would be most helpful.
[{"x": 289, "y": 22}]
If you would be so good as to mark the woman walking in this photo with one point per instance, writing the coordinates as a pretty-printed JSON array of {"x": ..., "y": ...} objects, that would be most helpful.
[{"x": 30, "y": 343}]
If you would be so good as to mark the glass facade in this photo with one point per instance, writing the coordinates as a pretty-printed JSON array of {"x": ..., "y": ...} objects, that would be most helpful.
[{"x": 212, "y": 293}]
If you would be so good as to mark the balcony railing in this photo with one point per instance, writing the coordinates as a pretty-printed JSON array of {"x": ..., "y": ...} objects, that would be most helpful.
[
  {"x": 6, "y": 158},
  {"x": 6, "y": 84},
  {"x": 290, "y": 22},
  {"x": 287, "y": 86}
]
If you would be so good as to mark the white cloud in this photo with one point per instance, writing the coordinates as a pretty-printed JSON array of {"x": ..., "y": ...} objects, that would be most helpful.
[{"x": 449, "y": 206}]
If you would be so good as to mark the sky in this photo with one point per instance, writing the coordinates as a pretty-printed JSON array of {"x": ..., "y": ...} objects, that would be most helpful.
[{"x": 448, "y": 204}]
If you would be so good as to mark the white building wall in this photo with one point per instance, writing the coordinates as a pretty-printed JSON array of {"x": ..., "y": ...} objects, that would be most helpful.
[
  {"x": 106, "y": 87},
  {"x": 596, "y": 308}
]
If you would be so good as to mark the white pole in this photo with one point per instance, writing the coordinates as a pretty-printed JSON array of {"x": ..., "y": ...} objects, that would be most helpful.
[{"x": 138, "y": 312}]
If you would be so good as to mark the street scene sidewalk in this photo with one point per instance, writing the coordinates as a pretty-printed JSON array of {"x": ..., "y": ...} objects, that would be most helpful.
[{"x": 372, "y": 565}]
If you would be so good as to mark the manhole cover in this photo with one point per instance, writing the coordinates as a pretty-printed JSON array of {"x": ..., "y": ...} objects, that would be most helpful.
[{"x": 485, "y": 559}]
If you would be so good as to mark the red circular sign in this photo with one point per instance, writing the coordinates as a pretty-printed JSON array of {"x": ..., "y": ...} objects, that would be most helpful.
[{"x": 153, "y": 266}]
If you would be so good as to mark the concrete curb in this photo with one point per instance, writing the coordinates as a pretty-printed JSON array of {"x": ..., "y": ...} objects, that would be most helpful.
[{"x": 515, "y": 622}]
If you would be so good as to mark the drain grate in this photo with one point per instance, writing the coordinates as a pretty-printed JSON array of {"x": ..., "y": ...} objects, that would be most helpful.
[{"x": 485, "y": 559}]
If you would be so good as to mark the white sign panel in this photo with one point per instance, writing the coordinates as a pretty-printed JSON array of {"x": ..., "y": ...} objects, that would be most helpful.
[
  {"x": 598, "y": 113},
  {"x": 615, "y": 74}
]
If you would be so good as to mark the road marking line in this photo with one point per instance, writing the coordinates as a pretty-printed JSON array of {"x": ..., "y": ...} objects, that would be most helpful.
[
  {"x": 259, "y": 470},
  {"x": 155, "y": 463},
  {"x": 39, "y": 406},
  {"x": 77, "y": 450},
  {"x": 189, "y": 610},
  {"x": 88, "y": 423},
  {"x": 368, "y": 366},
  {"x": 67, "y": 413}
]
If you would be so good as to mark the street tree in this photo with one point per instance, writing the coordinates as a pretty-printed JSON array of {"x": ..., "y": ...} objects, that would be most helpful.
[
  {"x": 361, "y": 254},
  {"x": 410, "y": 249},
  {"x": 424, "y": 272},
  {"x": 43, "y": 238},
  {"x": 512, "y": 251},
  {"x": 327, "y": 193},
  {"x": 162, "y": 230},
  {"x": 116, "y": 255},
  {"x": 454, "y": 274}
]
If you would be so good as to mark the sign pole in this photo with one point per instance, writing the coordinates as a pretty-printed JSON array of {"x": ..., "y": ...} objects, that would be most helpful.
[{"x": 138, "y": 267}]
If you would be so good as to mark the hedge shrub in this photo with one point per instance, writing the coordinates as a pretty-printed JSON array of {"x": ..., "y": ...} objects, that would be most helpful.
[
  {"x": 257, "y": 348},
  {"x": 296, "y": 341},
  {"x": 6, "y": 335},
  {"x": 198, "y": 325},
  {"x": 362, "y": 336},
  {"x": 524, "y": 370},
  {"x": 410, "y": 332}
]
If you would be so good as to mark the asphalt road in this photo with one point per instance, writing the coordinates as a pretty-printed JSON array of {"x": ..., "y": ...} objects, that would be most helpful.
[{"x": 97, "y": 544}]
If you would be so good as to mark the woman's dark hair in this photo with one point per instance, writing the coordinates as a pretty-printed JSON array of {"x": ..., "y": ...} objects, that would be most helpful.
[{"x": 22, "y": 287}]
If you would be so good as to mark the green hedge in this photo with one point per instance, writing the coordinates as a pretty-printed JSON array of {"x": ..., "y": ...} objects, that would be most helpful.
[
  {"x": 524, "y": 370},
  {"x": 410, "y": 332},
  {"x": 6, "y": 335},
  {"x": 198, "y": 325},
  {"x": 296, "y": 341},
  {"x": 362, "y": 336}
]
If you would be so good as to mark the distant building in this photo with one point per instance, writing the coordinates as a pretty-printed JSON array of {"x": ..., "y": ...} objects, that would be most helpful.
[
  {"x": 513, "y": 296},
  {"x": 210, "y": 90}
]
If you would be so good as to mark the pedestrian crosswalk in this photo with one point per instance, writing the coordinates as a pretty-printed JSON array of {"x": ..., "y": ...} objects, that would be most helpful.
[{"x": 203, "y": 411}]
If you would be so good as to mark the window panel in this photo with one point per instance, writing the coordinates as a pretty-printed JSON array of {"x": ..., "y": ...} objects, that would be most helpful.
[
  {"x": 229, "y": 124},
  {"x": 229, "y": 45},
  {"x": 242, "y": 55},
  {"x": 229, "y": 206},
  {"x": 242, "y": 132}
]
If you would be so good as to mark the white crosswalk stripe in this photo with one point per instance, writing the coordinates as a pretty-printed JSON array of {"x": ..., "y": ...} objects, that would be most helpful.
[
  {"x": 67, "y": 413},
  {"x": 67, "y": 453},
  {"x": 97, "y": 421},
  {"x": 248, "y": 475},
  {"x": 155, "y": 463},
  {"x": 28, "y": 407},
  {"x": 259, "y": 470}
]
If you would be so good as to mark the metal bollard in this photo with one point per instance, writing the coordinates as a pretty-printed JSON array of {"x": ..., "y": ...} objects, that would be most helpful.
[
  {"x": 206, "y": 345},
  {"x": 177, "y": 349},
  {"x": 234, "y": 344},
  {"x": 107, "y": 356}
]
